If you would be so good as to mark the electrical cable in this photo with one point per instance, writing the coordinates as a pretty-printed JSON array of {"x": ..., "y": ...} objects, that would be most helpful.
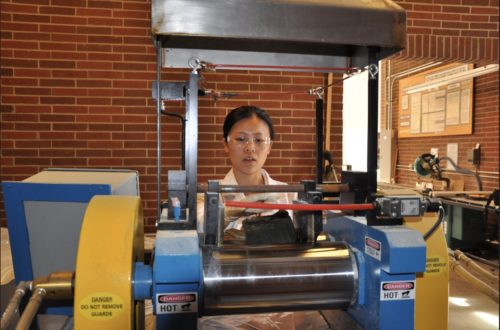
[{"x": 441, "y": 214}]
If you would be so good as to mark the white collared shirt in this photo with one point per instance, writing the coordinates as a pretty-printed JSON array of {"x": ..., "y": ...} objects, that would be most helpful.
[{"x": 230, "y": 179}]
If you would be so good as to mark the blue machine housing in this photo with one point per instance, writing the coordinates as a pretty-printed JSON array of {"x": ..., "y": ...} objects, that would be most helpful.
[
  {"x": 177, "y": 279},
  {"x": 15, "y": 196},
  {"x": 388, "y": 259}
]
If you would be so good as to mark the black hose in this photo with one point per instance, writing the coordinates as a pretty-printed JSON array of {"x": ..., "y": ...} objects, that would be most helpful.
[
  {"x": 435, "y": 225},
  {"x": 482, "y": 260}
]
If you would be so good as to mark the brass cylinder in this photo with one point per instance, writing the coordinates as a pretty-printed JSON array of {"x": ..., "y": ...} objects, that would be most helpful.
[{"x": 58, "y": 285}]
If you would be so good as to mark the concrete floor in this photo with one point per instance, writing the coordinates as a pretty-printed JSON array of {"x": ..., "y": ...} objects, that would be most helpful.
[{"x": 469, "y": 308}]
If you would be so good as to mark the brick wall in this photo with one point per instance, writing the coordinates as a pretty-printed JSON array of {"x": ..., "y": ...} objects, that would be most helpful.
[
  {"x": 450, "y": 31},
  {"x": 76, "y": 90},
  {"x": 459, "y": 29},
  {"x": 485, "y": 132}
]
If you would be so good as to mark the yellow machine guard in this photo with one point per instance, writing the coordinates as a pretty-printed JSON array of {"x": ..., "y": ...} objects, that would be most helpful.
[{"x": 111, "y": 241}]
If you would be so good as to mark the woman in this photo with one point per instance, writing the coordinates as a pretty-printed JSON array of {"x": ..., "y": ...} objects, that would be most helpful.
[{"x": 248, "y": 136}]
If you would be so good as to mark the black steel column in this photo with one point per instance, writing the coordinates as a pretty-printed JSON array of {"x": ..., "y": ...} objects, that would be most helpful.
[
  {"x": 319, "y": 140},
  {"x": 372, "y": 143},
  {"x": 158, "y": 129}
]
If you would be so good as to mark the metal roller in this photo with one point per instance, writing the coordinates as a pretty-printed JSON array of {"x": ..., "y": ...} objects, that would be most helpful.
[{"x": 280, "y": 277}]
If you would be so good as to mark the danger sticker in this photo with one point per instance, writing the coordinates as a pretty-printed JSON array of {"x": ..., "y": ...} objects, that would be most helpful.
[
  {"x": 435, "y": 265},
  {"x": 373, "y": 248},
  {"x": 101, "y": 306},
  {"x": 174, "y": 303},
  {"x": 397, "y": 290}
]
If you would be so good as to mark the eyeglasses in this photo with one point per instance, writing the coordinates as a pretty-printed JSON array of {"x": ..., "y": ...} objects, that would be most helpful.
[{"x": 242, "y": 141}]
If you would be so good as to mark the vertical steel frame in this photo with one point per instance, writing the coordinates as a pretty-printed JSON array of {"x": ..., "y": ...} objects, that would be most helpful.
[
  {"x": 158, "y": 128},
  {"x": 191, "y": 147},
  {"x": 372, "y": 143},
  {"x": 319, "y": 140}
]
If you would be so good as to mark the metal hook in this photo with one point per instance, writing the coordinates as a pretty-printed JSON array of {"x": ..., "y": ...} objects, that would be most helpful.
[
  {"x": 318, "y": 91},
  {"x": 194, "y": 63},
  {"x": 373, "y": 70},
  {"x": 197, "y": 65}
]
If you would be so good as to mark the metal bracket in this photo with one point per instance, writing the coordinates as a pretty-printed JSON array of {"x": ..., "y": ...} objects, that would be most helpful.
[{"x": 171, "y": 91}]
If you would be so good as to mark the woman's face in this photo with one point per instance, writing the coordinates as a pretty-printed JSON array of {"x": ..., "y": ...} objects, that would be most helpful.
[{"x": 248, "y": 145}]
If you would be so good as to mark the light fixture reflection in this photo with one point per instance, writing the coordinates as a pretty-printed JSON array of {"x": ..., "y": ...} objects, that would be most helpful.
[
  {"x": 457, "y": 301},
  {"x": 253, "y": 278},
  {"x": 488, "y": 318}
]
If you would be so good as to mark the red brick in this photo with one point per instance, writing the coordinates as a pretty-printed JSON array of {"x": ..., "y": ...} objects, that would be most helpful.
[
  {"x": 94, "y": 48},
  {"x": 105, "y": 4},
  {"x": 476, "y": 2},
  {"x": 52, "y": 10},
  {"x": 484, "y": 26},
  {"x": 105, "y": 39},
  {"x": 92, "y": 12},
  {"x": 15, "y": 26},
  {"x": 57, "y": 100},
  {"x": 65, "y": 20},
  {"x": 94, "y": 65},
  {"x": 69, "y": 3},
  {"x": 50, "y": 64},
  {"x": 6, "y": 99},
  {"x": 93, "y": 30},
  {"x": 456, "y": 9},
  {"x": 139, "y": 57},
  {"x": 476, "y": 33},
  {"x": 52, "y": 28},
  {"x": 17, "y": 8},
  {"x": 105, "y": 57},
  {"x": 128, "y": 31},
  {"x": 105, "y": 92}
]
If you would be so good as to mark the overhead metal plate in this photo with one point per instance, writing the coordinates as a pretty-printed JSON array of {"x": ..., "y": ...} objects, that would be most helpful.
[
  {"x": 321, "y": 27},
  {"x": 184, "y": 58}
]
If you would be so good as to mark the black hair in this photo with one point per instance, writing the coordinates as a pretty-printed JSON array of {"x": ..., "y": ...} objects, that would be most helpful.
[{"x": 244, "y": 112}]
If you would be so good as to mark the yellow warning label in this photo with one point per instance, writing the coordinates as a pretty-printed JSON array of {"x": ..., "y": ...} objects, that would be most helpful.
[
  {"x": 101, "y": 306},
  {"x": 435, "y": 265}
]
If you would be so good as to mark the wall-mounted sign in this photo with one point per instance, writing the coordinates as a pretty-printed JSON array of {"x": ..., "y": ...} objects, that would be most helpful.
[{"x": 432, "y": 105}]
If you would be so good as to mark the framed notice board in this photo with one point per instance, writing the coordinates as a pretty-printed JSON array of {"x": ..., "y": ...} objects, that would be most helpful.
[{"x": 445, "y": 109}]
